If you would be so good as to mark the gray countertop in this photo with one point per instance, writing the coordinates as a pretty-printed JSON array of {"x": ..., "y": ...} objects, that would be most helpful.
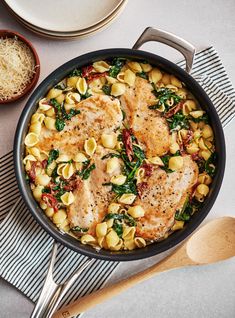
[{"x": 206, "y": 291}]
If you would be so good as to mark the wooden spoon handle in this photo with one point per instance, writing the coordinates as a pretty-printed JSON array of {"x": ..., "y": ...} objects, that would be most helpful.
[{"x": 89, "y": 301}]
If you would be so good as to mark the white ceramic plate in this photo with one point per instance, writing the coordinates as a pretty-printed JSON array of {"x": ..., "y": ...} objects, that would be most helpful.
[
  {"x": 72, "y": 35},
  {"x": 63, "y": 15}
]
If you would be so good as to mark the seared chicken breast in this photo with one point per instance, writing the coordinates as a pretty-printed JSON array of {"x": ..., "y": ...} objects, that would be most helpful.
[
  {"x": 148, "y": 126},
  {"x": 164, "y": 194},
  {"x": 99, "y": 114}
]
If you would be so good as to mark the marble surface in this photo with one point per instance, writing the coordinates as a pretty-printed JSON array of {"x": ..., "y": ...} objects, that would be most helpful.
[{"x": 208, "y": 291}]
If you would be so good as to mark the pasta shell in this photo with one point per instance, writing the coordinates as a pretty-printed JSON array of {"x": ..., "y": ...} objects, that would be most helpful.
[
  {"x": 50, "y": 123},
  {"x": 37, "y": 117},
  {"x": 129, "y": 78},
  {"x": 112, "y": 165},
  {"x": 175, "y": 81},
  {"x": 136, "y": 211},
  {"x": 127, "y": 198},
  {"x": 29, "y": 158},
  {"x": 176, "y": 163},
  {"x": 44, "y": 105},
  {"x": 67, "y": 198},
  {"x": 80, "y": 157},
  {"x": 178, "y": 225},
  {"x": 140, "y": 242},
  {"x": 59, "y": 217},
  {"x": 156, "y": 161},
  {"x": 88, "y": 239},
  {"x": 63, "y": 158},
  {"x": 36, "y": 128},
  {"x": 155, "y": 75},
  {"x": 101, "y": 66},
  {"x": 42, "y": 179},
  {"x": 129, "y": 245},
  {"x": 119, "y": 180},
  {"x": 112, "y": 238},
  {"x": 128, "y": 233},
  {"x": 31, "y": 139},
  {"x": 82, "y": 85},
  {"x": 114, "y": 208},
  {"x": 53, "y": 93},
  {"x": 118, "y": 89},
  {"x": 68, "y": 170},
  {"x": 90, "y": 146},
  {"x": 146, "y": 67},
  {"x": 101, "y": 229},
  {"x": 135, "y": 66}
]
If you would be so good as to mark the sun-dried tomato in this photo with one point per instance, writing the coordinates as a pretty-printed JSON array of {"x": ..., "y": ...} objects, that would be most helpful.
[
  {"x": 94, "y": 76},
  {"x": 174, "y": 110},
  {"x": 87, "y": 70},
  {"x": 141, "y": 187},
  {"x": 32, "y": 171},
  {"x": 195, "y": 156},
  {"x": 126, "y": 136},
  {"x": 50, "y": 201},
  {"x": 148, "y": 169},
  {"x": 44, "y": 164}
]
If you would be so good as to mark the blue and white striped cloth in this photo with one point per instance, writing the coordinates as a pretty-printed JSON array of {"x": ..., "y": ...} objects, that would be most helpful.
[{"x": 25, "y": 247}]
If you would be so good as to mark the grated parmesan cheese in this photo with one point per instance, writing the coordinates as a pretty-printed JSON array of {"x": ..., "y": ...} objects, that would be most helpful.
[{"x": 17, "y": 67}]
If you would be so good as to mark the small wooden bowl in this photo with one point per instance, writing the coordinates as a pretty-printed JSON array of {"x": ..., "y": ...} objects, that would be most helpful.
[{"x": 34, "y": 80}]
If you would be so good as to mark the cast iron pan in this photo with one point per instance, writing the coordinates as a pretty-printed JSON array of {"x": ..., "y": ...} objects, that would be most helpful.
[{"x": 149, "y": 34}]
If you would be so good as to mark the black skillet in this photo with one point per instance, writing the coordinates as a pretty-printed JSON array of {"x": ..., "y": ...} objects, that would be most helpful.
[{"x": 150, "y": 34}]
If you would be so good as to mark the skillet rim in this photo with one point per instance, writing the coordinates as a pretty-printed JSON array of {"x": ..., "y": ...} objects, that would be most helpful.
[{"x": 55, "y": 77}]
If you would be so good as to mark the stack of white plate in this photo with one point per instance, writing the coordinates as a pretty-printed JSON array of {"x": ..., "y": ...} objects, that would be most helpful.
[{"x": 66, "y": 19}]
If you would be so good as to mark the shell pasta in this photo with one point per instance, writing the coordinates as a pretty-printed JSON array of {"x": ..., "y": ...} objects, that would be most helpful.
[{"x": 120, "y": 154}]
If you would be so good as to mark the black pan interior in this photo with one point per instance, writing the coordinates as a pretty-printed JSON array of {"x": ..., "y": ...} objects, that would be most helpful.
[{"x": 57, "y": 76}]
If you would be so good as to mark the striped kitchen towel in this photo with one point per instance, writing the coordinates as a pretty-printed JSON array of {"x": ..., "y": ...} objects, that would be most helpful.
[{"x": 25, "y": 246}]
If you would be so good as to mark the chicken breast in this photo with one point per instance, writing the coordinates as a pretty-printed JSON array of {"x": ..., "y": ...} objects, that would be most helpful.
[
  {"x": 99, "y": 114},
  {"x": 164, "y": 194},
  {"x": 148, "y": 126}
]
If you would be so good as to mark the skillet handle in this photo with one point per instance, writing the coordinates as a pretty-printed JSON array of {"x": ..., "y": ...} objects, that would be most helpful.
[{"x": 184, "y": 47}]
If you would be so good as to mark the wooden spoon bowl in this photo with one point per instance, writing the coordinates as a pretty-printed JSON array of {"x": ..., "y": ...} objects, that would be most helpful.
[{"x": 34, "y": 80}]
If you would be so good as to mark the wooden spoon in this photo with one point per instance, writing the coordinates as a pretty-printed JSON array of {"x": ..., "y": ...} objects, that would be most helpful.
[{"x": 212, "y": 243}]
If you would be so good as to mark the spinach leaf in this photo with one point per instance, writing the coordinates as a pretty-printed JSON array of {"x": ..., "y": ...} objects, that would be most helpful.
[
  {"x": 120, "y": 216},
  {"x": 62, "y": 115},
  {"x": 73, "y": 112},
  {"x": 60, "y": 86},
  {"x": 143, "y": 75},
  {"x": 106, "y": 89},
  {"x": 187, "y": 210},
  {"x": 204, "y": 118},
  {"x": 178, "y": 121},
  {"x": 117, "y": 64},
  {"x": 165, "y": 159},
  {"x": 86, "y": 170},
  {"x": 118, "y": 228},
  {"x": 210, "y": 165},
  {"x": 46, "y": 190},
  {"x": 123, "y": 115},
  {"x": 163, "y": 95},
  {"x": 128, "y": 187},
  {"x": 59, "y": 124},
  {"x": 79, "y": 229},
  {"x": 53, "y": 155},
  {"x": 59, "y": 193},
  {"x": 86, "y": 95},
  {"x": 27, "y": 179},
  {"x": 75, "y": 72},
  {"x": 111, "y": 155}
]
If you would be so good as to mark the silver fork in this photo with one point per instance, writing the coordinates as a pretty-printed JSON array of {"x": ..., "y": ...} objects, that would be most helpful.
[{"x": 52, "y": 293}]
